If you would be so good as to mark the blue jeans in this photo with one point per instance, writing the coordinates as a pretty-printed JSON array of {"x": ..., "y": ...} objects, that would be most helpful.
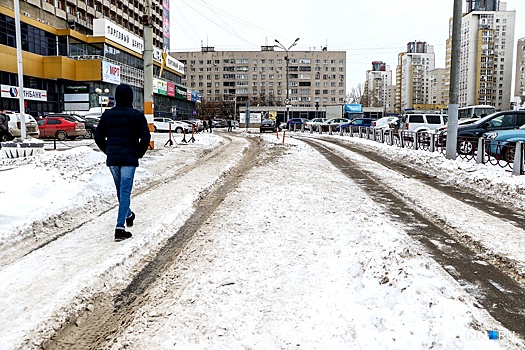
[{"x": 123, "y": 177}]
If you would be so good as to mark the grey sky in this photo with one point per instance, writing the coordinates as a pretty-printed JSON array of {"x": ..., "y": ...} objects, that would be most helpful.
[{"x": 368, "y": 30}]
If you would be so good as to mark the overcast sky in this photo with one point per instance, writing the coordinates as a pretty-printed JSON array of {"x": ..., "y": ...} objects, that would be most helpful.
[{"x": 367, "y": 30}]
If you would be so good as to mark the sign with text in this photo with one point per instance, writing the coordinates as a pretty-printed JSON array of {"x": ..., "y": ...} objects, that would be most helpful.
[
  {"x": 110, "y": 73},
  {"x": 9, "y": 91}
]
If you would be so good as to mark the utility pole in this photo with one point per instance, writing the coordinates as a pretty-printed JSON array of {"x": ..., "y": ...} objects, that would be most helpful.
[
  {"x": 287, "y": 58},
  {"x": 453, "y": 107},
  {"x": 18, "y": 32},
  {"x": 147, "y": 22}
]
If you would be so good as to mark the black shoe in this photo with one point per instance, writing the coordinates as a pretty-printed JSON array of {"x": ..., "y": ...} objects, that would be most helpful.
[
  {"x": 121, "y": 235},
  {"x": 129, "y": 221}
]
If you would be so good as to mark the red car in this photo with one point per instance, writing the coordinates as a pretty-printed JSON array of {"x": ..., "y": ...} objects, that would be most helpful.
[{"x": 61, "y": 127}]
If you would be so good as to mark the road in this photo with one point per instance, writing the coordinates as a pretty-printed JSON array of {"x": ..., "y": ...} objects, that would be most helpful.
[{"x": 491, "y": 277}]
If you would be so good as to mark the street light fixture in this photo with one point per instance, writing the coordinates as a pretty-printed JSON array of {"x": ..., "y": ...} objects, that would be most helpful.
[
  {"x": 99, "y": 93},
  {"x": 281, "y": 46}
]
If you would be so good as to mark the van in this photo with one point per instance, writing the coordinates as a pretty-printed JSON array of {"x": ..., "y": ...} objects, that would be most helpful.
[
  {"x": 423, "y": 122},
  {"x": 15, "y": 125}
]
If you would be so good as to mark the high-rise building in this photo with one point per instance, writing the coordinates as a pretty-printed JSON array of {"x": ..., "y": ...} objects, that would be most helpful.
[
  {"x": 519, "y": 83},
  {"x": 314, "y": 77},
  {"x": 487, "y": 47},
  {"x": 377, "y": 85},
  {"x": 482, "y": 5},
  {"x": 438, "y": 88},
  {"x": 412, "y": 75},
  {"x": 73, "y": 49}
]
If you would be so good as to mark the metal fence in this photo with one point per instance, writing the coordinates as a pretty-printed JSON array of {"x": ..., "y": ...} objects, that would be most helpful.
[{"x": 503, "y": 154}]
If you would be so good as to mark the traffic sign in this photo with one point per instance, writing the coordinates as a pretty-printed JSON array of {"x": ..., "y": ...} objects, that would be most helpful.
[{"x": 287, "y": 101}]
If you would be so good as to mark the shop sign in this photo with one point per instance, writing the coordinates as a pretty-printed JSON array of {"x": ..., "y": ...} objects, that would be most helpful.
[{"x": 9, "y": 91}]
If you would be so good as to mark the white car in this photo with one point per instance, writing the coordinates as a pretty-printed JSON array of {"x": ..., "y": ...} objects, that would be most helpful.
[
  {"x": 382, "y": 123},
  {"x": 15, "y": 125},
  {"x": 164, "y": 124},
  {"x": 314, "y": 123}
]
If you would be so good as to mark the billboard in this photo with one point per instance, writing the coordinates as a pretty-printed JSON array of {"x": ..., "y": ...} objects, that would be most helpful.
[{"x": 353, "y": 108}]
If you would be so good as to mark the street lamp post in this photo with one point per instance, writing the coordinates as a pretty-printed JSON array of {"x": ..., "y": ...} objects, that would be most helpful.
[
  {"x": 99, "y": 93},
  {"x": 286, "y": 58}
]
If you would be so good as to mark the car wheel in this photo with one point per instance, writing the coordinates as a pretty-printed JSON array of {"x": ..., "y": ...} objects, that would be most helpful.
[
  {"x": 5, "y": 138},
  {"x": 466, "y": 146},
  {"x": 61, "y": 135},
  {"x": 89, "y": 134},
  {"x": 178, "y": 130},
  {"x": 508, "y": 154}
]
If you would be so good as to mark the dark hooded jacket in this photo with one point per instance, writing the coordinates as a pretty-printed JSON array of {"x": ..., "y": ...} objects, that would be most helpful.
[{"x": 122, "y": 132}]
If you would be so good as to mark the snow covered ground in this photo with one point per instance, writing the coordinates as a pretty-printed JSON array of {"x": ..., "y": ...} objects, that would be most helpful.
[{"x": 277, "y": 266}]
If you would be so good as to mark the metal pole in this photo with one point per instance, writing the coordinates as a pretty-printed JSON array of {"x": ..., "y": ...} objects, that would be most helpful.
[
  {"x": 287, "y": 58},
  {"x": 18, "y": 32},
  {"x": 148, "y": 67},
  {"x": 452, "y": 128},
  {"x": 287, "y": 91}
]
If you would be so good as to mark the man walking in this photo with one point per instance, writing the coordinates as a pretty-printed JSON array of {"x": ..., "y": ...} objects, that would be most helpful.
[
  {"x": 123, "y": 135},
  {"x": 210, "y": 124},
  {"x": 229, "y": 125}
]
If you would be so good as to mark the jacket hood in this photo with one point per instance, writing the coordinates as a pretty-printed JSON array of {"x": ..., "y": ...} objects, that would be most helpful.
[{"x": 124, "y": 96}]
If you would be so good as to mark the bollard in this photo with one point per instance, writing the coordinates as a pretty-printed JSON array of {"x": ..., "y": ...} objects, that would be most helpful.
[
  {"x": 277, "y": 132},
  {"x": 284, "y": 134},
  {"x": 311, "y": 129},
  {"x": 330, "y": 129},
  {"x": 416, "y": 140},
  {"x": 517, "y": 167},
  {"x": 401, "y": 140},
  {"x": 432, "y": 147},
  {"x": 320, "y": 127}
]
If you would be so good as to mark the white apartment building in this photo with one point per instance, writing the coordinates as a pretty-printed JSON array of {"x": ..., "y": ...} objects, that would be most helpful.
[
  {"x": 519, "y": 83},
  {"x": 314, "y": 77},
  {"x": 377, "y": 84},
  {"x": 412, "y": 75},
  {"x": 487, "y": 47}
]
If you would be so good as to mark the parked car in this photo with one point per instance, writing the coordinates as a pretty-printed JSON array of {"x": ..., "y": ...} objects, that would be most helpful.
[
  {"x": 295, "y": 122},
  {"x": 364, "y": 122},
  {"x": 333, "y": 123},
  {"x": 314, "y": 122},
  {"x": 502, "y": 143},
  {"x": 15, "y": 126},
  {"x": 61, "y": 127},
  {"x": 268, "y": 125},
  {"x": 469, "y": 134},
  {"x": 383, "y": 123},
  {"x": 197, "y": 124},
  {"x": 422, "y": 122},
  {"x": 90, "y": 124},
  {"x": 163, "y": 125}
]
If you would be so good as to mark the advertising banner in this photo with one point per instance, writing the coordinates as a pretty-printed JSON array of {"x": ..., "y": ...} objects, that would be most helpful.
[
  {"x": 9, "y": 91},
  {"x": 171, "y": 89},
  {"x": 353, "y": 108},
  {"x": 110, "y": 73}
]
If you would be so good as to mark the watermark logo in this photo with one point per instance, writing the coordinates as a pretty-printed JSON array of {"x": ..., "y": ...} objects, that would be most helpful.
[{"x": 492, "y": 334}]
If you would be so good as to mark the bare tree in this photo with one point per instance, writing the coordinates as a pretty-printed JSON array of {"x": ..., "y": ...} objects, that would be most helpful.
[{"x": 357, "y": 95}]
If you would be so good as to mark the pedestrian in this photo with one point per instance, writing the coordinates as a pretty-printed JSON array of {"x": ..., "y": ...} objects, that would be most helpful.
[
  {"x": 205, "y": 125},
  {"x": 4, "y": 127},
  {"x": 229, "y": 125},
  {"x": 123, "y": 135},
  {"x": 210, "y": 124}
]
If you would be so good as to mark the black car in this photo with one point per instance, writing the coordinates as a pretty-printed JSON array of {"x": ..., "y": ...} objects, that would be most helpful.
[
  {"x": 267, "y": 125},
  {"x": 90, "y": 123},
  {"x": 468, "y": 134}
]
